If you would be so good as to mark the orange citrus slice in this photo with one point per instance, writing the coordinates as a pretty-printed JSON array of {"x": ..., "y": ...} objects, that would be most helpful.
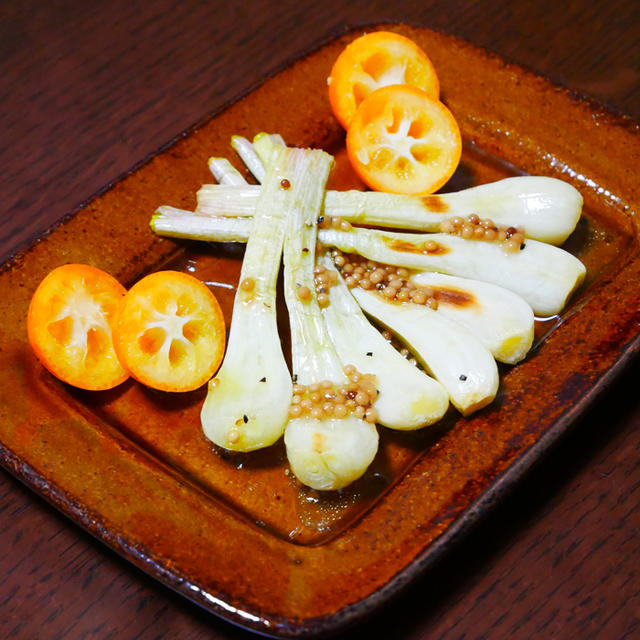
[
  {"x": 70, "y": 323},
  {"x": 402, "y": 141},
  {"x": 170, "y": 332},
  {"x": 376, "y": 60}
]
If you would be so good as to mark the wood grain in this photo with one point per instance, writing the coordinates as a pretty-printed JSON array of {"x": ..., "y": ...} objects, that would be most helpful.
[{"x": 89, "y": 90}]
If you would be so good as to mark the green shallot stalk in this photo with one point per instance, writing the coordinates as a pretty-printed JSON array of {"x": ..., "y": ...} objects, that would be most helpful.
[
  {"x": 245, "y": 150},
  {"x": 247, "y": 404},
  {"x": 324, "y": 452},
  {"x": 543, "y": 275},
  {"x": 231, "y": 200},
  {"x": 178, "y": 223},
  {"x": 548, "y": 209},
  {"x": 225, "y": 173}
]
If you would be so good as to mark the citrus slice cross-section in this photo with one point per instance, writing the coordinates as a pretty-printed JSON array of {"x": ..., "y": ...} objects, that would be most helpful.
[
  {"x": 170, "y": 332},
  {"x": 402, "y": 141},
  {"x": 69, "y": 325},
  {"x": 376, "y": 60}
]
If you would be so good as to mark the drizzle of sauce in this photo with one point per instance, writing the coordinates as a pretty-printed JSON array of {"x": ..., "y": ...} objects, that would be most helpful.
[
  {"x": 454, "y": 297},
  {"x": 431, "y": 248},
  {"x": 435, "y": 204}
]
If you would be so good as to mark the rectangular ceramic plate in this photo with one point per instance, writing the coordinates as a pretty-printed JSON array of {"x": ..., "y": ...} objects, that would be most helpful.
[{"x": 234, "y": 532}]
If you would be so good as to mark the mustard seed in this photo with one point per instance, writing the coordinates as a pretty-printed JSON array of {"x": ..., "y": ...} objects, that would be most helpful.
[
  {"x": 371, "y": 415},
  {"x": 304, "y": 293},
  {"x": 323, "y": 300},
  {"x": 340, "y": 411},
  {"x": 446, "y": 226}
]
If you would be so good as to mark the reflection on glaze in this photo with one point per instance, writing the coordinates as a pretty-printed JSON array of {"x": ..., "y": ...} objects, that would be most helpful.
[
  {"x": 227, "y": 607},
  {"x": 584, "y": 180}
]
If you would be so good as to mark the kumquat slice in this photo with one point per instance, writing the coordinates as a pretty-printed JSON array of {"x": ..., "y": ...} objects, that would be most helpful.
[
  {"x": 402, "y": 141},
  {"x": 69, "y": 325},
  {"x": 376, "y": 60},
  {"x": 170, "y": 332}
]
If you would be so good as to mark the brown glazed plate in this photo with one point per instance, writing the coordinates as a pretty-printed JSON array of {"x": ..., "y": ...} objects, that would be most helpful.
[{"x": 234, "y": 533}]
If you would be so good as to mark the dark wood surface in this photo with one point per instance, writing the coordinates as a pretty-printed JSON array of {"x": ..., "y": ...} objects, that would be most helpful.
[{"x": 89, "y": 89}]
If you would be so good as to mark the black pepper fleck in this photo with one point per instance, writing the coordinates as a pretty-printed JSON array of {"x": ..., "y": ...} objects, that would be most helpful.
[
  {"x": 264, "y": 379},
  {"x": 463, "y": 377},
  {"x": 295, "y": 377},
  {"x": 522, "y": 246},
  {"x": 369, "y": 353},
  {"x": 245, "y": 417}
]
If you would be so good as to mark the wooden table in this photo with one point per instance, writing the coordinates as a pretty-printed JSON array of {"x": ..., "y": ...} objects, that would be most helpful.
[{"x": 89, "y": 89}]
